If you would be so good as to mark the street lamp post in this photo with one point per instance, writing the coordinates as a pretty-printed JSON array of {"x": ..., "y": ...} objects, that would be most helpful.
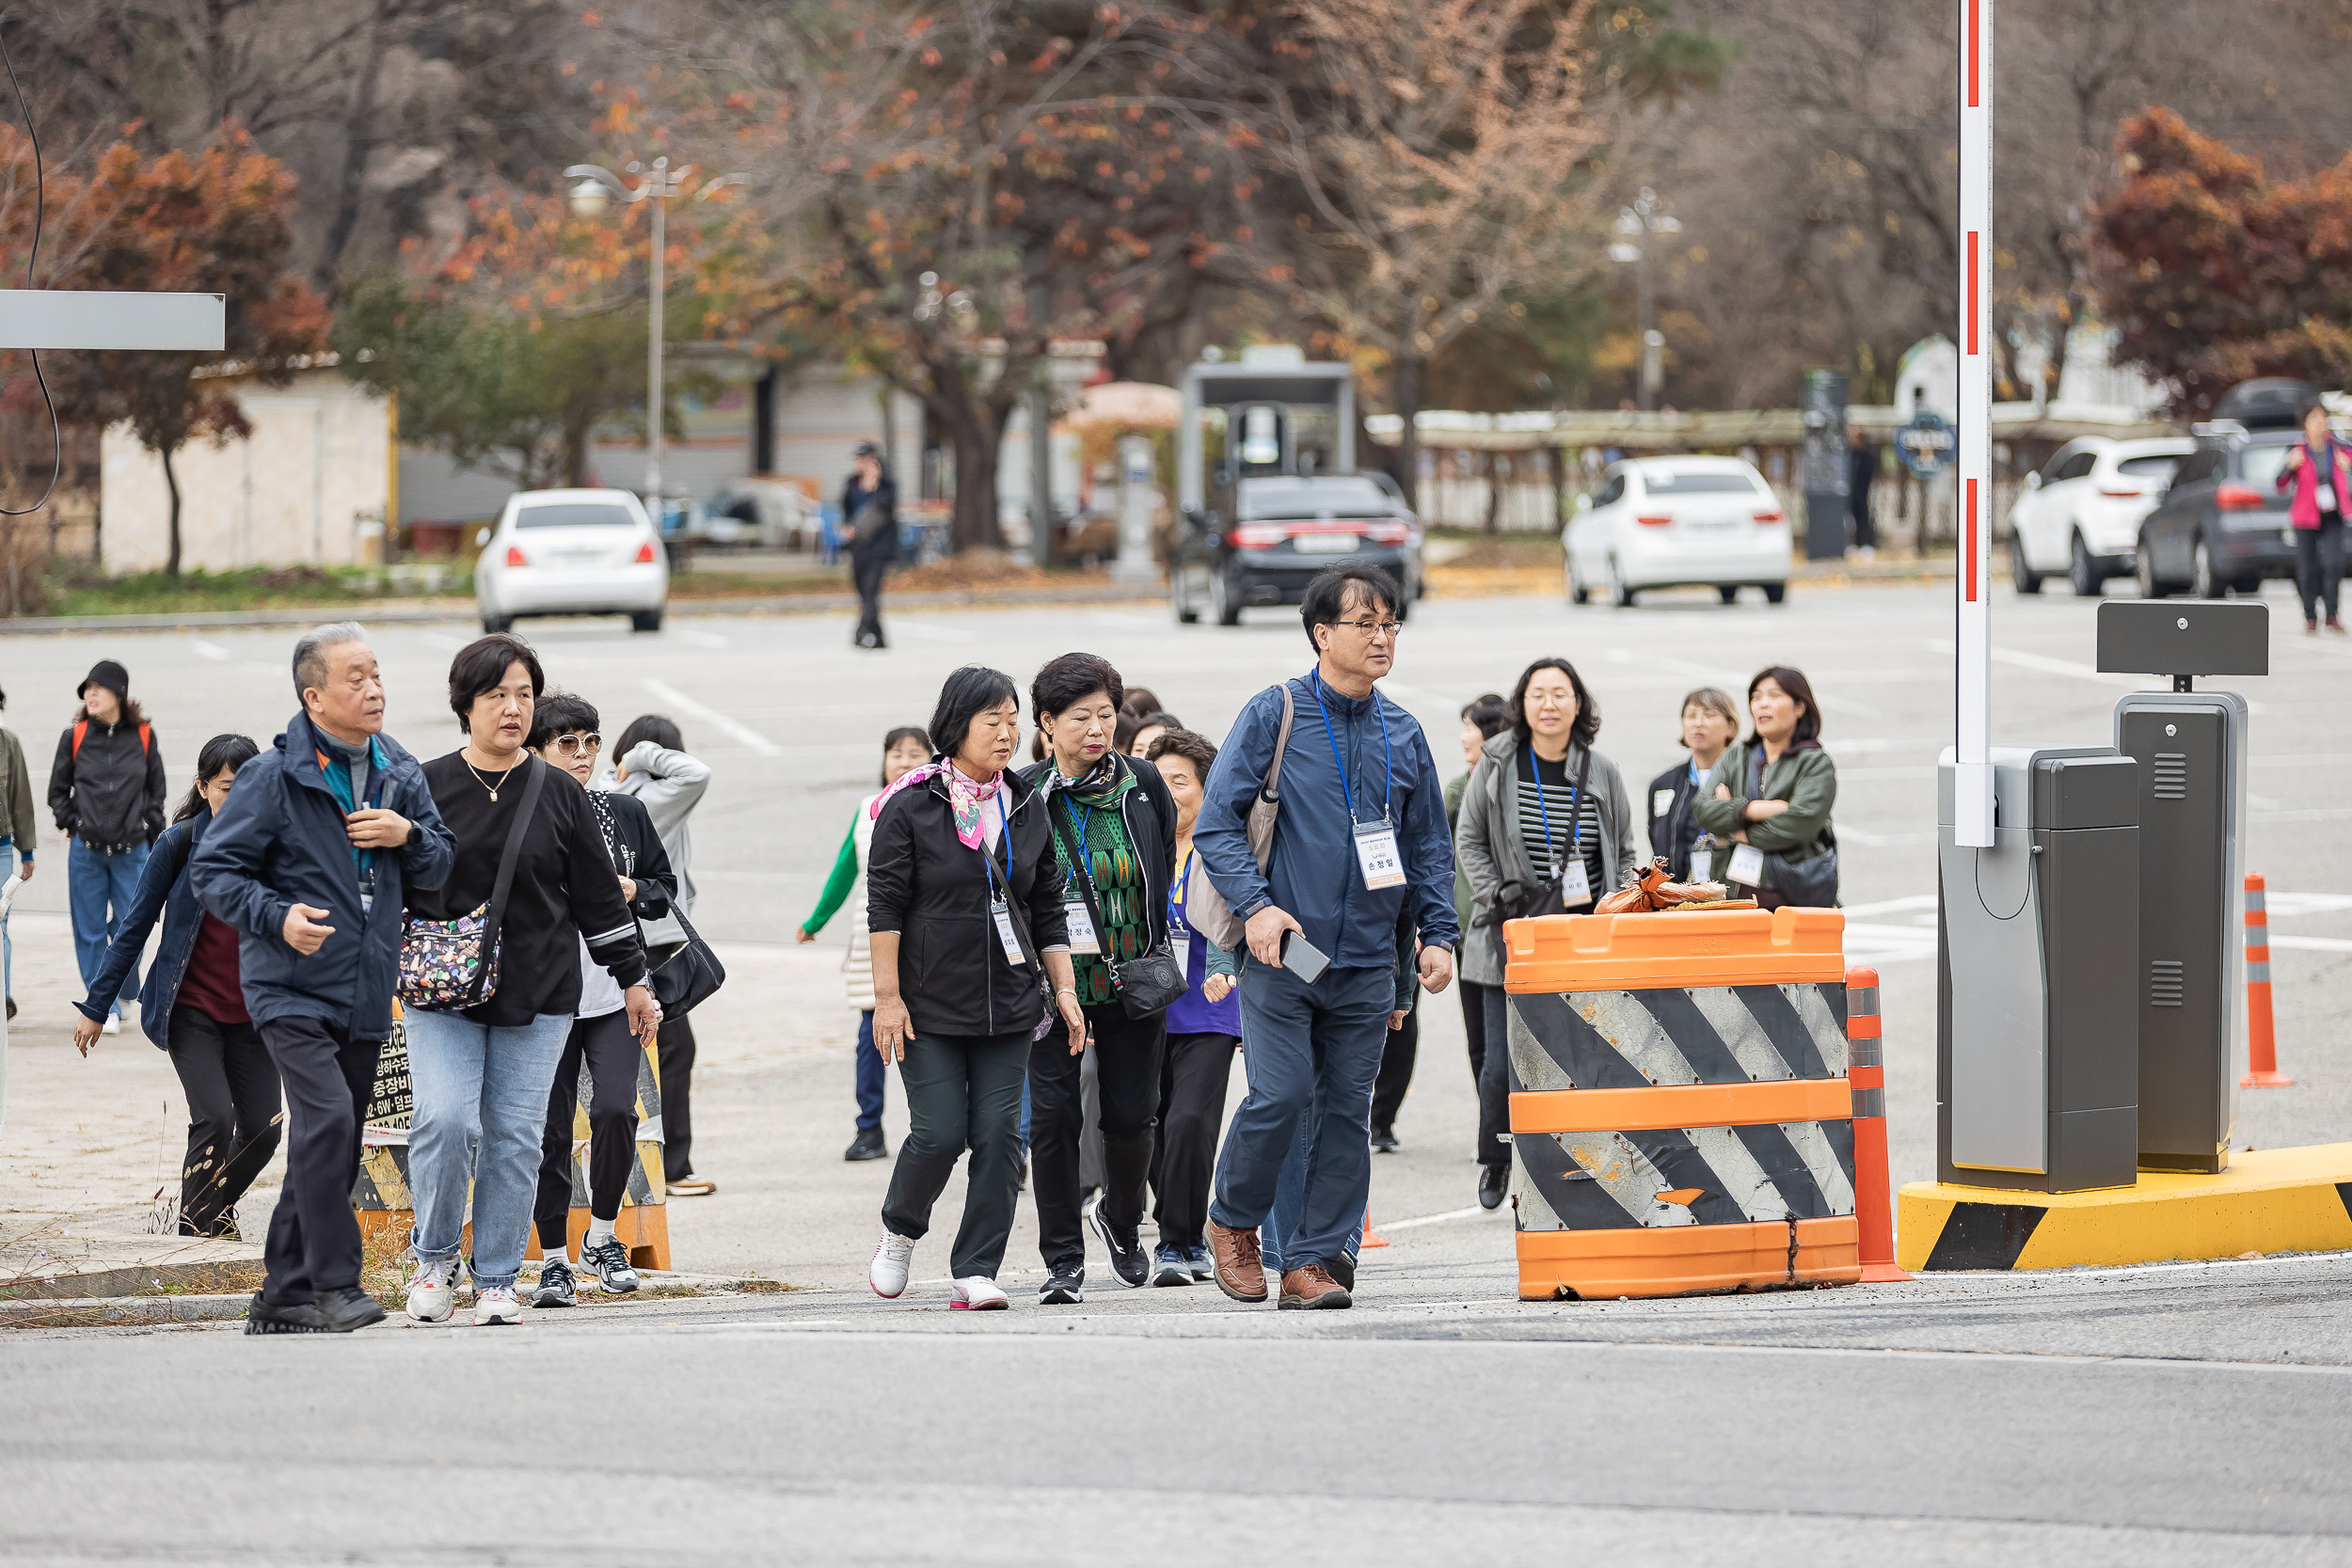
[{"x": 1647, "y": 216}]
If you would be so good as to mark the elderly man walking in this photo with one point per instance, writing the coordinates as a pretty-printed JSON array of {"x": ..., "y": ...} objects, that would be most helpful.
[
  {"x": 1359, "y": 841},
  {"x": 307, "y": 860}
]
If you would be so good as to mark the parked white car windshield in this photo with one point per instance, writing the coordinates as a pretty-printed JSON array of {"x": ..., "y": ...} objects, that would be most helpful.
[
  {"x": 1696, "y": 481},
  {"x": 575, "y": 515}
]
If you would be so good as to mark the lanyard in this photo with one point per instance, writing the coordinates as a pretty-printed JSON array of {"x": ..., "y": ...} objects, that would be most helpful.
[
  {"x": 1576, "y": 817},
  {"x": 989, "y": 861},
  {"x": 1388, "y": 757}
]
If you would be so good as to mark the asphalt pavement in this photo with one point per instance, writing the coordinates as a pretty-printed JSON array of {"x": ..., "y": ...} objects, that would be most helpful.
[{"x": 2152, "y": 1415}]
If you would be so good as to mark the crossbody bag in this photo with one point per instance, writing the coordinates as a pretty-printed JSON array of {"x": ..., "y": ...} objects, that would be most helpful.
[{"x": 446, "y": 966}]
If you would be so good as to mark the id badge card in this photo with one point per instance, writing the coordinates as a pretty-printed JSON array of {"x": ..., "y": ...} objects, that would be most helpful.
[
  {"x": 1006, "y": 934},
  {"x": 1576, "y": 886},
  {"x": 1082, "y": 938},
  {"x": 1376, "y": 853},
  {"x": 1747, "y": 865},
  {"x": 1661, "y": 801}
]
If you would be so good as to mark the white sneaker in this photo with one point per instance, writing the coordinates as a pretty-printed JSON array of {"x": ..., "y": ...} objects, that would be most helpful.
[
  {"x": 112, "y": 1025},
  {"x": 431, "y": 1293},
  {"x": 887, "y": 1274},
  {"x": 976, "y": 1294},
  {"x": 496, "y": 1307}
]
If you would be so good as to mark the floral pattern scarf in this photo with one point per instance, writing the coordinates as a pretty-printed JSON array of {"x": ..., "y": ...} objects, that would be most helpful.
[{"x": 966, "y": 799}]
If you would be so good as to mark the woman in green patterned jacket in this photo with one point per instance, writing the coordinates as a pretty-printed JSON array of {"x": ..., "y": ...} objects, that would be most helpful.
[{"x": 1115, "y": 813}]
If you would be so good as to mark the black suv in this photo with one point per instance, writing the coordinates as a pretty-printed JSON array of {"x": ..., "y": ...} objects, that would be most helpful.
[{"x": 2222, "y": 526}]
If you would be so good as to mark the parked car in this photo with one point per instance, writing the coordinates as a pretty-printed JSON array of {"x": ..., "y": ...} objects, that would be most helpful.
[
  {"x": 1282, "y": 529},
  {"x": 2080, "y": 515},
  {"x": 2222, "y": 526},
  {"x": 1672, "y": 522},
  {"x": 572, "y": 553}
]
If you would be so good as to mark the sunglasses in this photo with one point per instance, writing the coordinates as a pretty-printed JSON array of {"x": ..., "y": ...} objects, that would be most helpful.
[{"x": 572, "y": 745}]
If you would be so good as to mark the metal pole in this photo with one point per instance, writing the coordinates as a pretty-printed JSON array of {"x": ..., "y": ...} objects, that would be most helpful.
[
  {"x": 1972, "y": 782},
  {"x": 1644, "y": 394},
  {"x": 661, "y": 190}
]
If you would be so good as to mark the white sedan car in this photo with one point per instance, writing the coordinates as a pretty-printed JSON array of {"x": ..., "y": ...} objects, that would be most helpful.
[
  {"x": 572, "y": 553},
  {"x": 1666, "y": 522},
  {"x": 2081, "y": 516}
]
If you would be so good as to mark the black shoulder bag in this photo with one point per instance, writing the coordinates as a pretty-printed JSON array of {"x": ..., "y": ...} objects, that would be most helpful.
[
  {"x": 1149, "y": 982},
  {"x": 684, "y": 974}
]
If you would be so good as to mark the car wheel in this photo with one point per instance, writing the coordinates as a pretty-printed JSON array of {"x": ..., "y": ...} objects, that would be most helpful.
[
  {"x": 645, "y": 619},
  {"x": 1577, "y": 593},
  {"x": 2144, "y": 572},
  {"x": 1775, "y": 591},
  {"x": 2081, "y": 575},
  {"x": 1404, "y": 610},
  {"x": 1185, "y": 614},
  {"x": 2202, "y": 582},
  {"x": 2023, "y": 575},
  {"x": 1730, "y": 592},
  {"x": 1619, "y": 594},
  {"x": 495, "y": 624},
  {"x": 1221, "y": 601}
]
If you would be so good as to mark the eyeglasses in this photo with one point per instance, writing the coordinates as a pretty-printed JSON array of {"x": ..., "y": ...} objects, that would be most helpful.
[
  {"x": 1374, "y": 629},
  {"x": 572, "y": 745}
]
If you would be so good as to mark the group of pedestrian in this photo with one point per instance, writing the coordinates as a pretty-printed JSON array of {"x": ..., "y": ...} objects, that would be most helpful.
[{"x": 516, "y": 910}]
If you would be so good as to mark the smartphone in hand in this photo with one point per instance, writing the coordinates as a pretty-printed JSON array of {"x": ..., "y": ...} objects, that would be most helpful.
[{"x": 1303, "y": 958}]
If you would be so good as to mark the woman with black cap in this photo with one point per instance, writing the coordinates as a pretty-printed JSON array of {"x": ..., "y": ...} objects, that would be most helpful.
[
  {"x": 869, "y": 526},
  {"x": 106, "y": 790}
]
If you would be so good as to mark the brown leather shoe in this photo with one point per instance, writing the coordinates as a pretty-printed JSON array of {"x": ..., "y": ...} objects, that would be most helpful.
[
  {"x": 1310, "y": 1288},
  {"x": 1240, "y": 1269}
]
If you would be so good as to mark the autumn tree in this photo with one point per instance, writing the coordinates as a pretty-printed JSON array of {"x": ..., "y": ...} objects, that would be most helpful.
[
  {"x": 218, "y": 221},
  {"x": 2211, "y": 270}
]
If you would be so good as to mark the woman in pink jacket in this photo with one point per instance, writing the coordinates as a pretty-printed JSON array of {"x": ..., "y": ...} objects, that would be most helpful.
[{"x": 2317, "y": 511}]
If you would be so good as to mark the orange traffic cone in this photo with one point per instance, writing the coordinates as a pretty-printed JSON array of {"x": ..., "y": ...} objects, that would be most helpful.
[
  {"x": 2262, "y": 1038},
  {"x": 1865, "y": 1073}
]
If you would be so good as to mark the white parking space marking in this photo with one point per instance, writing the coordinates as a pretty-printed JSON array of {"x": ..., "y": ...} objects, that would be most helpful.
[
  {"x": 712, "y": 717},
  {"x": 210, "y": 650},
  {"x": 700, "y": 638}
]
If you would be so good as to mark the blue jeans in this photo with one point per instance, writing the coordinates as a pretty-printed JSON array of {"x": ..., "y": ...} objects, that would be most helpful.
[
  {"x": 7, "y": 944},
  {"x": 1311, "y": 1052},
  {"x": 480, "y": 1111},
  {"x": 1290, "y": 1199},
  {"x": 98, "y": 887},
  {"x": 870, "y": 1075}
]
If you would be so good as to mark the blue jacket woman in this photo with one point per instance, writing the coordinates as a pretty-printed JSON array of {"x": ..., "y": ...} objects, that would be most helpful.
[{"x": 193, "y": 1007}]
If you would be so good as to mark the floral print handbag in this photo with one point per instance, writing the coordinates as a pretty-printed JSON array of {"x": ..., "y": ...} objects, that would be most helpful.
[{"x": 449, "y": 965}]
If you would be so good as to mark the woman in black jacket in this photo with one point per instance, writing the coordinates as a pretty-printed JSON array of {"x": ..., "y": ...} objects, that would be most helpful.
[
  {"x": 962, "y": 885},
  {"x": 106, "y": 790},
  {"x": 1711, "y": 723},
  {"x": 564, "y": 734},
  {"x": 1115, "y": 811}
]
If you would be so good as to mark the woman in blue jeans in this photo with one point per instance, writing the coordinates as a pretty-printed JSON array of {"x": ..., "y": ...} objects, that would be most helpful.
[{"x": 482, "y": 1075}]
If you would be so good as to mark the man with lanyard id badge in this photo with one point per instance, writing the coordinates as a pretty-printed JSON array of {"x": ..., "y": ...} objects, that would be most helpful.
[{"x": 1318, "y": 980}]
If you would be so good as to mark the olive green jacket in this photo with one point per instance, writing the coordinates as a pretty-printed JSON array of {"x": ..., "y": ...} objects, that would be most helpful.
[
  {"x": 20, "y": 813},
  {"x": 1804, "y": 777}
]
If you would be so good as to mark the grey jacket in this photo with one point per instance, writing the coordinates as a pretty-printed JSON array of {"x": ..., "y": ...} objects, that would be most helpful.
[
  {"x": 669, "y": 785},
  {"x": 1489, "y": 847}
]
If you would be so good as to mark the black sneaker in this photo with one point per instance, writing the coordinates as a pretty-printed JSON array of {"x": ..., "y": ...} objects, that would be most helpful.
[
  {"x": 1383, "y": 1140},
  {"x": 1065, "y": 1286},
  {"x": 558, "y": 1285},
  {"x": 610, "y": 1259},
  {"x": 1127, "y": 1256},
  {"x": 867, "y": 1145},
  {"x": 1343, "y": 1269},
  {"x": 262, "y": 1315},
  {"x": 345, "y": 1309}
]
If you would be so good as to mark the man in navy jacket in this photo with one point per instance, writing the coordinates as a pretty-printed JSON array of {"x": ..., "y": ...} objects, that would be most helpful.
[
  {"x": 1359, "y": 841},
  {"x": 309, "y": 861}
]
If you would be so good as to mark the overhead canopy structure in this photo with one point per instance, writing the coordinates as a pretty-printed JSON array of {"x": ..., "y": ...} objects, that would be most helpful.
[
  {"x": 1280, "y": 378},
  {"x": 1716, "y": 430}
]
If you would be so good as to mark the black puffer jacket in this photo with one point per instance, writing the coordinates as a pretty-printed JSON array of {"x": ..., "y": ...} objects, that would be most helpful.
[
  {"x": 111, "y": 794},
  {"x": 924, "y": 883}
]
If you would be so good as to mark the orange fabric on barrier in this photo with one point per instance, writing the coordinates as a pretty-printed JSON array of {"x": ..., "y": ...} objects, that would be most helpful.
[
  {"x": 1639, "y": 952},
  {"x": 1680, "y": 1260},
  {"x": 1682, "y": 1105}
]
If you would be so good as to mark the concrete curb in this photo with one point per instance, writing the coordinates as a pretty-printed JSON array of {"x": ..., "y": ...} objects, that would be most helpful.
[{"x": 99, "y": 1311}]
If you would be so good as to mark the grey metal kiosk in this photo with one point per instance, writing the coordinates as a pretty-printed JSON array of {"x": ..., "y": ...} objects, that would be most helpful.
[
  {"x": 2038, "y": 945},
  {"x": 2192, "y": 747}
]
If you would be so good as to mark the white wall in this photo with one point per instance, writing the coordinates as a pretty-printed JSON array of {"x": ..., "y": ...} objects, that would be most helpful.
[
  {"x": 309, "y": 488},
  {"x": 822, "y": 413}
]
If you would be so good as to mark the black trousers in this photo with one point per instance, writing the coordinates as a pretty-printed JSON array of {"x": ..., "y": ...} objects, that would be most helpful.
[
  {"x": 867, "y": 575},
  {"x": 314, "y": 1242},
  {"x": 1475, "y": 1000},
  {"x": 1194, "y": 1072},
  {"x": 233, "y": 1116},
  {"x": 1127, "y": 1075},
  {"x": 963, "y": 1091},
  {"x": 1494, "y": 1082},
  {"x": 674, "y": 1046},
  {"x": 2319, "y": 567},
  {"x": 1396, "y": 1072},
  {"x": 612, "y": 1055}
]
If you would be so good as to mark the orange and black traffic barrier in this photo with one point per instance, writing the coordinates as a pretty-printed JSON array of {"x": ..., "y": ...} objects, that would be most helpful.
[
  {"x": 2262, "y": 1038},
  {"x": 1681, "y": 1117},
  {"x": 1866, "y": 1072}
]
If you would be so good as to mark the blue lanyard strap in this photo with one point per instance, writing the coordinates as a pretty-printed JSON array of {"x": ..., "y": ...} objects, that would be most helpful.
[
  {"x": 989, "y": 861},
  {"x": 1576, "y": 818},
  {"x": 1388, "y": 756}
]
